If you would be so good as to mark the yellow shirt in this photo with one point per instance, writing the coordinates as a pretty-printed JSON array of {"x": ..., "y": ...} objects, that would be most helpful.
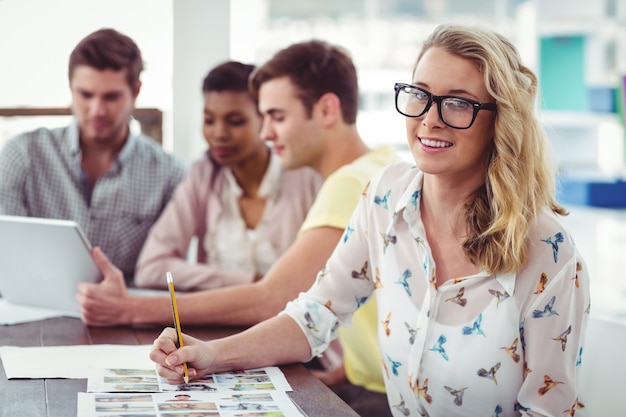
[{"x": 333, "y": 207}]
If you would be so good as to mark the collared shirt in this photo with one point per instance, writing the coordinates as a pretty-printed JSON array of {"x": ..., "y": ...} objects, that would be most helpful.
[
  {"x": 255, "y": 252},
  {"x": 41, "y": 176},
  {"x": 479, "y": 345},
  {"x": 196, "y": 211}
]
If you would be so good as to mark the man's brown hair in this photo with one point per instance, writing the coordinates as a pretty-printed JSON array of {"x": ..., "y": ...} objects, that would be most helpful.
[
  {"x": 315, "y": 68},
  {"x": 108, "y": 49}
]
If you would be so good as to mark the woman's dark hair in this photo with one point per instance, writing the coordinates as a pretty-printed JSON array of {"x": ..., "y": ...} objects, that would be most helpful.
[{"x": 228, "y": 76}]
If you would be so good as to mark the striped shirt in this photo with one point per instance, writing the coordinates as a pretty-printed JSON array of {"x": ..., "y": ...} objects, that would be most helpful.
[{"x": 41, "y": 176}]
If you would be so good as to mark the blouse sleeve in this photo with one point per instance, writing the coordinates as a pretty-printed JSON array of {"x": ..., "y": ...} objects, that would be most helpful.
[
  {"x": 553, "y": 331},
  {"x": 340, "y": 288}
]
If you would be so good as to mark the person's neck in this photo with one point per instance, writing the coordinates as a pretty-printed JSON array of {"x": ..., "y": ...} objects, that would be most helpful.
[
  {"x": 97, "y": 158},
  {"x": 250, "y": 173},
  {"x": 343, "y": 146},
  {"x": 443, "y": 203}
]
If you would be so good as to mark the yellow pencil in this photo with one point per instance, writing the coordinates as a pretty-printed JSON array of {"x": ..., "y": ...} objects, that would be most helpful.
[{"x": 170, "y": 284}]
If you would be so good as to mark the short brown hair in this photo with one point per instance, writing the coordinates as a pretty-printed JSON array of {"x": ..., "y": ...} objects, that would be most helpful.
[
  {"x": 108, "y": 49},
  {"x": 315, "y": 68}
]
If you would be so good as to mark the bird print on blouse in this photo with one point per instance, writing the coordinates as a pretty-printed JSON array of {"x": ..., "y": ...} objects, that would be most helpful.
[
  {"x": 377, "y": 282},
  {"x": 512, "y": 350},
  {"x": 519, "y": 407},
  {"x": 543, "y": 280},
  {"x": 439, "y": 346},
  {"x": 576, "y": 406},
  {"x": 548, "y": 384},
  {"x": 497, "y": 411},
  {"x": 382, "y": 201},
  {"x": 401, "y": 406},
  {"x": 475, "y": 328},
  {"x": 579, "y": 267},
  {"x": 361, "y": 274},
  {"x": 346, "y": 234},
  {"x": 527, "y": 370},
  {"x": 415, "y": 197},
  {"x": 403, "y": 281},
  {"x": 385, "y": 324},
  {"x": 521, "y": 333},
  {"x": 500, "y": 295},
  {"x": 310, "y": 323},
  {"x": 457, "y": 393},
  {"x": 563, "y": 338},
  {"x": 547, "y": 311},
  {"x": 579, "y": 358},
  {"x": 360, "y": 301},
  {"x": 458, "y": 298},
  {"x": 554, "y": 242},
  {"x": 394, "y": 365},
  {"x": 423, "y": 391},
  {"x": 412, "y": 332},
  {"x": 491, "y": 373},
  {"x": 423, "y": 413},
  {"x": 387, "y": 239}
]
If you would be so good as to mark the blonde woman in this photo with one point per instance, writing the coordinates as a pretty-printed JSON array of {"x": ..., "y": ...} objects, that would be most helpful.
[{"x": 482, "y": 296}]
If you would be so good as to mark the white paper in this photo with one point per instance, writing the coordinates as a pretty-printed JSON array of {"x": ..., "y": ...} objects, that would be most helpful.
[
  {"x": 223, "y": 404},
  {"x": 135, "y": 379},
  {"x": 71, "y": 361},
  {"x": 15, "y": 314},
  {"x": 252, "y": 392}
]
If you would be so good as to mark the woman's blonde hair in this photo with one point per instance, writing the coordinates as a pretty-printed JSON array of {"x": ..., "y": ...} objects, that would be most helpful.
[{"x": 520, "y": 179}]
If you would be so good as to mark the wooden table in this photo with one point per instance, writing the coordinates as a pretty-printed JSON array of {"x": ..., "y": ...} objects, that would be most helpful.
[{"x": 58, "y": 397}]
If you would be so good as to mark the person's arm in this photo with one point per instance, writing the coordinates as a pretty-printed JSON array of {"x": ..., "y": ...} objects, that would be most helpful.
[
  {"x": 242, "y": 305},
  {"x": 13, "y": 174},
  {"x": 294, "y": 272},
  {"x": 553, "y": 343},
  {"x": 303, "y": 329},
  {"x": 273, "y": 342},
  {"x": 108, "y": 303}
]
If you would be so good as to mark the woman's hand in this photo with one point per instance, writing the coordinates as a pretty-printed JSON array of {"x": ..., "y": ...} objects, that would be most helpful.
[{"x": 198, "y": 355}]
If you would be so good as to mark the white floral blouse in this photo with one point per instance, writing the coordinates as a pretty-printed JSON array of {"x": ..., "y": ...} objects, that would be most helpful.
[{"x": 479, "y": 345}]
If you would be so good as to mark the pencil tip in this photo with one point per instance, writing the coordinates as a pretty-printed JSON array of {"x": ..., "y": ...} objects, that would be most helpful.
[{"x": 186, "y": 378}]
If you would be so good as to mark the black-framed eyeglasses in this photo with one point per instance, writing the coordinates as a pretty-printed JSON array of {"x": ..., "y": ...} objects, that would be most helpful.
[{"x": 456, "y": 112}]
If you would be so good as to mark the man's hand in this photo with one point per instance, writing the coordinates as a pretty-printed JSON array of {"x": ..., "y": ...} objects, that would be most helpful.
[{"x": 106, "y": 303}]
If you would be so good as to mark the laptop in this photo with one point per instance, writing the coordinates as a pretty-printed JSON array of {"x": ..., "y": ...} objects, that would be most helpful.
[{"x": 42, "y": 261}]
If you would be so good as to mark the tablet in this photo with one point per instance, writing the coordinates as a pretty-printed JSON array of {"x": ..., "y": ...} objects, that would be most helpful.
[{"x": 42, "y": 261}]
